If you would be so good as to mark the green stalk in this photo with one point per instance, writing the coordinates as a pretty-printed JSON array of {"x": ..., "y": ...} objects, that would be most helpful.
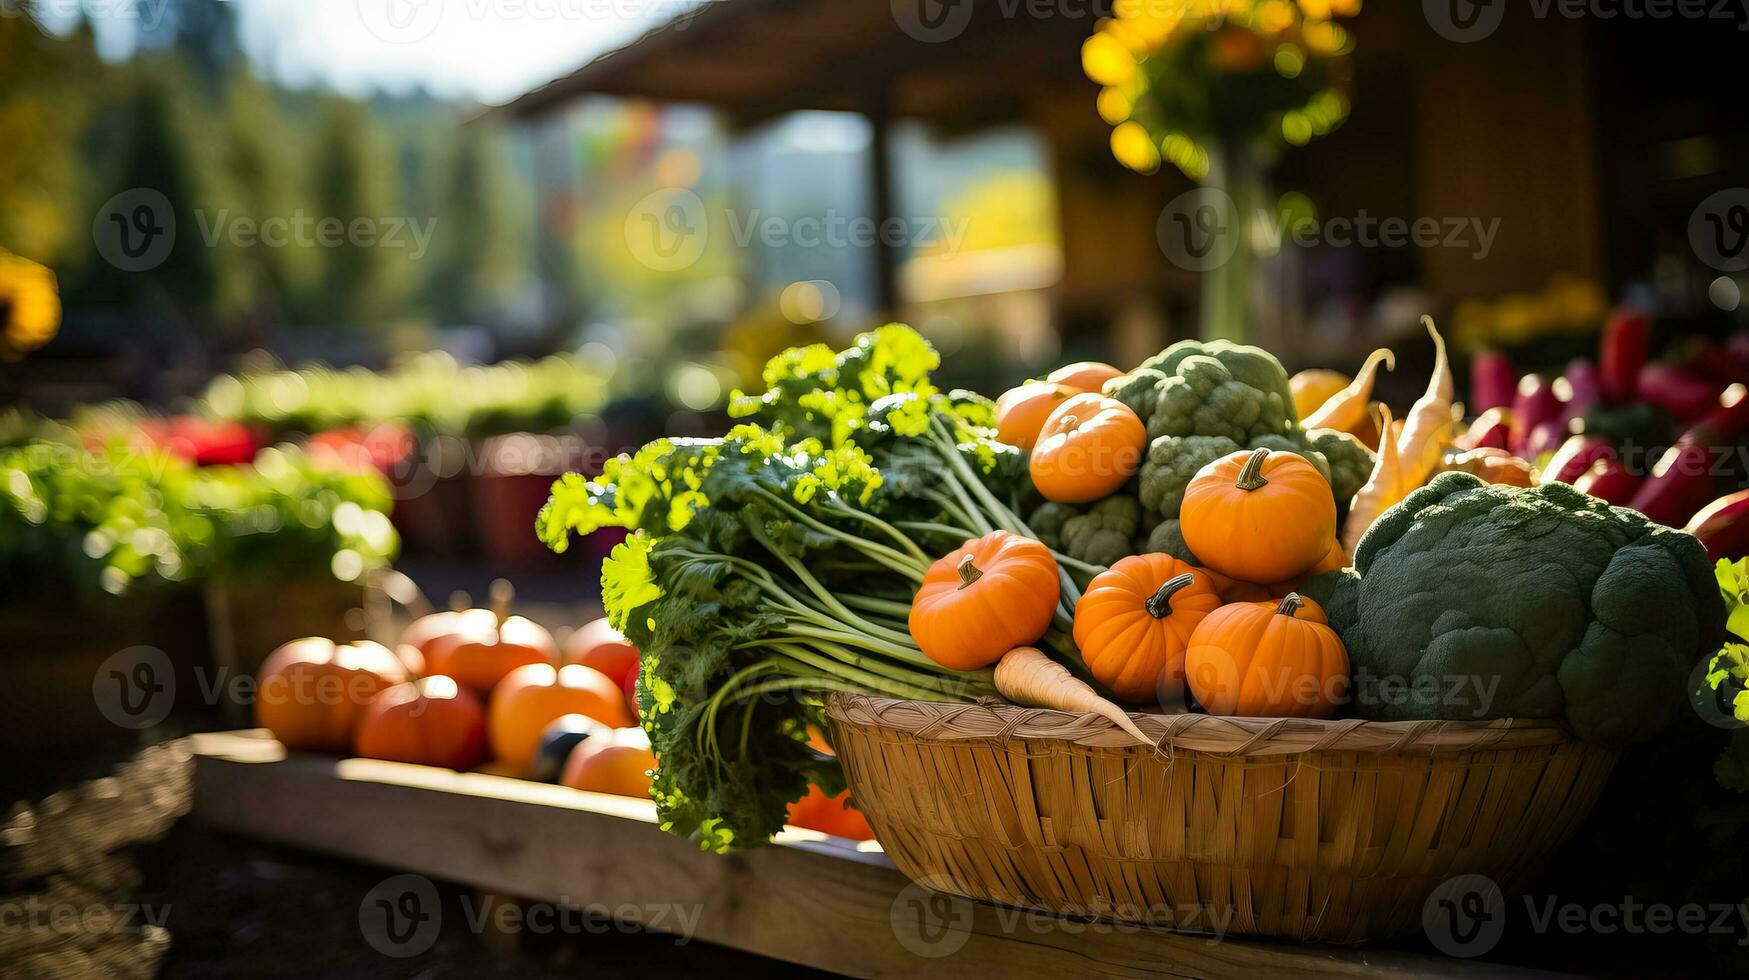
[
  {"x": 887, "y": 607},
  {"x": 927, "y": 527},
  {"x": 870, "y": 680},
  {"x": 874, "y": 644},
  {"x": 873, "y": 549},
  {"x": 838, "y": 608},
  {"x": 888, "y": 529}
]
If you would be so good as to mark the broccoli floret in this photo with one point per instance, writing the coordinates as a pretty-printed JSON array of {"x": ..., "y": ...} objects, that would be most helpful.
[
  {"x": 1204, "y": 398},
  {"x": 1048, "y": 520},
  {"x": 1472, "y": 601},
  {"x": 1103, "y": 534},
  {"x": 1171, "y": 462},
  {"x": 1350, "y": 462},
  {"x": 1168, "y": 539},
  {"x": 1250, "y": 366}
]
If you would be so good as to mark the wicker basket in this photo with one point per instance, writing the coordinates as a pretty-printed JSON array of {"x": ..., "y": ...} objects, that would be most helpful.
[{"x": 1334, "y": 831}]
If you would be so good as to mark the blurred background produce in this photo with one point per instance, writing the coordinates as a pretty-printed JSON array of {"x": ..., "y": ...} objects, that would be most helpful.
[{"x": 304, "y": 308}]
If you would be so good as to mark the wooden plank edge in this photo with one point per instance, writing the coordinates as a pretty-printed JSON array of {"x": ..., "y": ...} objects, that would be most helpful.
[{"x": 811, "y": 899}]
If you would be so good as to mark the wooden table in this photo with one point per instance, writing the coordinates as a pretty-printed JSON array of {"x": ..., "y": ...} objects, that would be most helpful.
[{"x": 810, "y": 899}]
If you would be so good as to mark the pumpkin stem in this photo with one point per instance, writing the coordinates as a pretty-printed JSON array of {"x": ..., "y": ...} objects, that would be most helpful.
[
  {"x": 502, "y": 594},
  {"x": 1291, "y": 604},
  {"x": 1251, "y": 475},
  {"x": 1159, "y": 605},
  {"x": 969, "y": 572}
]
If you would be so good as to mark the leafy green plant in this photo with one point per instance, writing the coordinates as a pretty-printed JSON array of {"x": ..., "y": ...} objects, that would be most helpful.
[
  {"x": 776, "y": 564},
  {"x": 1727, "y": 676},
  {"x": 428, "y": 390},
  {"x": 118, "y": 517}
]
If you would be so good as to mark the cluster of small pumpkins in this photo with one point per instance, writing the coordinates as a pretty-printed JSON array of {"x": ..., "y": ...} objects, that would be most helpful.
[
  {"x": 1232, "y": 633},
  {"x": 1081, "y": 445},
  {"x": 468, "y": 686},
  {"x": 464, "y": 686}
]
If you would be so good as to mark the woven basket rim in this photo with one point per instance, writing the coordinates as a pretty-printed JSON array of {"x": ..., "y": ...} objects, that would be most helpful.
[{"x": 1214, "y": 734}]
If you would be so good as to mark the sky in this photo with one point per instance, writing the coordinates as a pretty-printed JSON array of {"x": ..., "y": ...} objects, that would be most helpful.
[{"x": 490, "y": 50}]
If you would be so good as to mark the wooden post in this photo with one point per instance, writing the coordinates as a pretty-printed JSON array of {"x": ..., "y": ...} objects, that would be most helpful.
[{"x": 881, "y": 200}]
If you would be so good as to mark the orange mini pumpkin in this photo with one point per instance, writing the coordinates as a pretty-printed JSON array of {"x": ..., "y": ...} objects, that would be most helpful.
[
  {"x": 1259, "y": 516},
  {"x": 432, "y": 721},
  {"x": 1021, "y": 411},
  {"x": 1084, "y": 375},
  {"x": 481, "y": 655},
  {"x": 531, "y": 697},
  {"x": 1267, "y": 660},
  {"x": 597, "y": 644},
  {"x": 312, "y": 692},
  {"x": 829, "y": 815},
  {"x": 1087, "y": 450},
  {"x": 618, "y": 763},
  {"x": 1134, "y": 623},
  {"x": 985, "y": 598}
]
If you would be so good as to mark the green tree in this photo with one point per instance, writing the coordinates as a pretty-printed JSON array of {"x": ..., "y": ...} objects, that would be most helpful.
[
  {"x": 354, "y": 179},
  {"x": 48, "y": 86},
  {"x": 477, "y": 256}
]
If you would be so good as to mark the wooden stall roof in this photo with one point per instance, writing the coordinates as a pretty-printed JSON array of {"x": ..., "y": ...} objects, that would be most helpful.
[{"x": 755, "y": 59}]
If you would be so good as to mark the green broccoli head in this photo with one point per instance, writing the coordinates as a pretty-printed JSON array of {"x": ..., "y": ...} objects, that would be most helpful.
[
  {"x": 1167, "y": 538},
  {"x": 1171, "y": 463},
  {"x": 1472, "y": 601},
  {"x": 1209, "y": 389},
  {"x": 1250, "y": 366},
  {"x": 1103, "y": 534},
  {"x": 1350, "y": 462},
  {"x": 1204, "y": 398},
  {"x": 1047, "y": 522}
]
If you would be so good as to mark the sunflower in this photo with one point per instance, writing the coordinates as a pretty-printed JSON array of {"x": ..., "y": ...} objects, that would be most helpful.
[{"x": 30, "y": 306}]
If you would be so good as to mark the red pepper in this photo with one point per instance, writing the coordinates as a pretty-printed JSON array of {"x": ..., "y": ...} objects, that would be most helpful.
[
  {"x": 1676, "y": 391},
  {"x": 1533, "y": 404},
  {"x": 1575, "y": 457},
  {"x": 1609, "y": 481},
  {"x": 1682, "y": 481},
  {"x": 1627, "y": 339},
  {"x": 1492, "y": 381},
  {"x": 1723, "y": 526},
  {"x": 1488, "y": 431},
  {"x": 1579, "y": 389}
]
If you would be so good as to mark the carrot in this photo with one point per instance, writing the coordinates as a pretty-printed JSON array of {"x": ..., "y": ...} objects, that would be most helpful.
[
  {"x": 1383, "y": 489},
  {"x": 1427, "y": 429},
  {"x": 1347, "y": 408},
  {"x": 1026, "y": 676}
]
